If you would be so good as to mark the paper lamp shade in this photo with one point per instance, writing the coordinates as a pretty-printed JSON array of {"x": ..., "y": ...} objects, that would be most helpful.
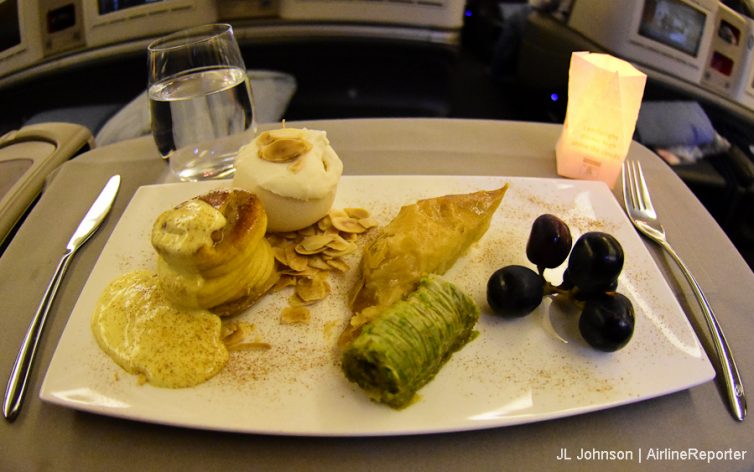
[{"x": 604, "y": 98}]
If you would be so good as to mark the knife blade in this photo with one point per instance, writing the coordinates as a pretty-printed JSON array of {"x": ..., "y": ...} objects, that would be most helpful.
[
  {"x": 19, "y": 375},
  {"x": 96, "y": 214}
]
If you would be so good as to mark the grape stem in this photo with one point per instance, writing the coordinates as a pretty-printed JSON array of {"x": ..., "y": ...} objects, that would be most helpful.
[
  {"x": 554, "y": 290},
  {"x": 551, "y": 289}
]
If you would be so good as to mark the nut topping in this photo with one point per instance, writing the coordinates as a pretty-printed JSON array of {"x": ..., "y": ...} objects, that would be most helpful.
[
  {"x": 306, "y": 256},
  {"x": 284, "y": 149}
]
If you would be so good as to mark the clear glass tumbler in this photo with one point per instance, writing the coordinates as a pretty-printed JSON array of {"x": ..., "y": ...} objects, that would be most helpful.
[{"x": 200, "y": 101}]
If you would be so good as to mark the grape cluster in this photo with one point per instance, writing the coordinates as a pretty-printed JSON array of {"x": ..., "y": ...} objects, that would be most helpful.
[{"x": 591, "y": 278}]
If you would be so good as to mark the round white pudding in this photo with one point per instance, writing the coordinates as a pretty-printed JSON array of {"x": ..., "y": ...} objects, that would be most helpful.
[{"x": 294, "y": 172}]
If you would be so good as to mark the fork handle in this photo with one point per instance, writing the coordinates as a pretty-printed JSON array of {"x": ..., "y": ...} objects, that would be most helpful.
[{"x": 733, "y": 386}]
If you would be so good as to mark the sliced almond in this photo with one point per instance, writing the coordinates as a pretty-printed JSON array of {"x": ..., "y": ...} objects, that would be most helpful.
[
  {"x": 308, "y": 231},
  {"x": 251, "y": 346},
  {"x": 280, "y": 254},
  {"x": 317, "y": 262},
  {"x": 324, "y": 223},
  {"x": 295, "y": 315},
  {"x": 296, "y": 261},
  {"x": 333, "y": 253},
  {"x": 265, "y": 138},
  {"x": 236, "y": 332},
  {"x": 340, "y": 244},
  {"x": 314, "y": 244},
  {"x": 347, "y": 224},
  {"x": 294, "y": 300},
  {"x": 350, "y": 236},
  {"x": 368, "y": 222},
  {"x": 285, "y": 280},
  {"x": 284, "y": 149},
  {"x": 312, "y": 289},
  {"x": 337, "y": 213},
  {"x": 307, "y": 256},
  {"x": 291, "y": 235},
  {"x": 357, "y": 213},
  {"x": 337, "y": 264},
  {"x": 308, "y": 272}
]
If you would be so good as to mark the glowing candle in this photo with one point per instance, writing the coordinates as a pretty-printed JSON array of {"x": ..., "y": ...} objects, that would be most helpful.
[{"x": 604, "y": 97}]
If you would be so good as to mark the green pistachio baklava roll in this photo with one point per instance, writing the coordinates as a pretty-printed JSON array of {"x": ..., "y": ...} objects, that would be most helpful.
[{"x": 404, "y": 347}]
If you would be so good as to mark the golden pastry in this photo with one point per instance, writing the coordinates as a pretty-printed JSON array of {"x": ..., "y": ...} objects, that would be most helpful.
[
  {"x": 424, "y": 238},
  {"x": 212, "y": 252}
]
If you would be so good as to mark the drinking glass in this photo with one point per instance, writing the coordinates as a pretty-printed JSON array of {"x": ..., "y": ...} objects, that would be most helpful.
[{"x": 200, "y": 101}]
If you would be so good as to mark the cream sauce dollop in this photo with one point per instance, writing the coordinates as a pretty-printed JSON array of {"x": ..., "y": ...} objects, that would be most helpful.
[
  {"x": 185, "y": 229},
  {"x": 144, "y": 334}
]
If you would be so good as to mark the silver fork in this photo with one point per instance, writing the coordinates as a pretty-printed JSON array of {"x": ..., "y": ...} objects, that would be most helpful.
[{"x": 642, "y": 214}]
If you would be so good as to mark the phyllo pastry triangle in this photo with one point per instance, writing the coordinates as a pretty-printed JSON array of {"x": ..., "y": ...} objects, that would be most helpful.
[{"x": 426, "y": 237}]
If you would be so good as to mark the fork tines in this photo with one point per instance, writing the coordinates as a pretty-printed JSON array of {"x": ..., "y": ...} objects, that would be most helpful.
[{"x": 636, "y": 188}]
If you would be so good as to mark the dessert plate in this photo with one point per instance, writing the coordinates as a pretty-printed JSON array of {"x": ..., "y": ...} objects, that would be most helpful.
[{"x": 516, "y": 371}]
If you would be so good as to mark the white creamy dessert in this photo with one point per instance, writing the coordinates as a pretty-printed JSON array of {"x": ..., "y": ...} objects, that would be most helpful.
[{"x": 294, "y": 172}]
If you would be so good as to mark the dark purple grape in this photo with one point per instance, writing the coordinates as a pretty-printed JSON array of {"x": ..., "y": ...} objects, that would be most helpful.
[
  {"x": 595, "y": 263},
  {"x": 514, "y": 291},
  {"x": 567, "y": 283},
  {"x": 607, "y": 321},
  {"x": 549, "y": 242}
]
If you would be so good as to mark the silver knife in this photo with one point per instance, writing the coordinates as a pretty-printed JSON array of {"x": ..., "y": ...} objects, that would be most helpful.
[{"x": 19, "y": 375}]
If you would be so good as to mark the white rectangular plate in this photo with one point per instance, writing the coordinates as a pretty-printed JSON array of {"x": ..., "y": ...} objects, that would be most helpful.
[{"x": 516, "y": 371}]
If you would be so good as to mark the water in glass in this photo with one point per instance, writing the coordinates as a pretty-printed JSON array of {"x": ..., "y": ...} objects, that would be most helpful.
[{"x": 200, "y": 118}]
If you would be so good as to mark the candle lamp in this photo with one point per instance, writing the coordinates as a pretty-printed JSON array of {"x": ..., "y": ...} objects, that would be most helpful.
[{"x": 604, "y": 97}]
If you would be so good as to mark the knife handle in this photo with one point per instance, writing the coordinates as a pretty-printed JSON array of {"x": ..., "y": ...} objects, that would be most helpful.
[{"x": 19, "y": 375}]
